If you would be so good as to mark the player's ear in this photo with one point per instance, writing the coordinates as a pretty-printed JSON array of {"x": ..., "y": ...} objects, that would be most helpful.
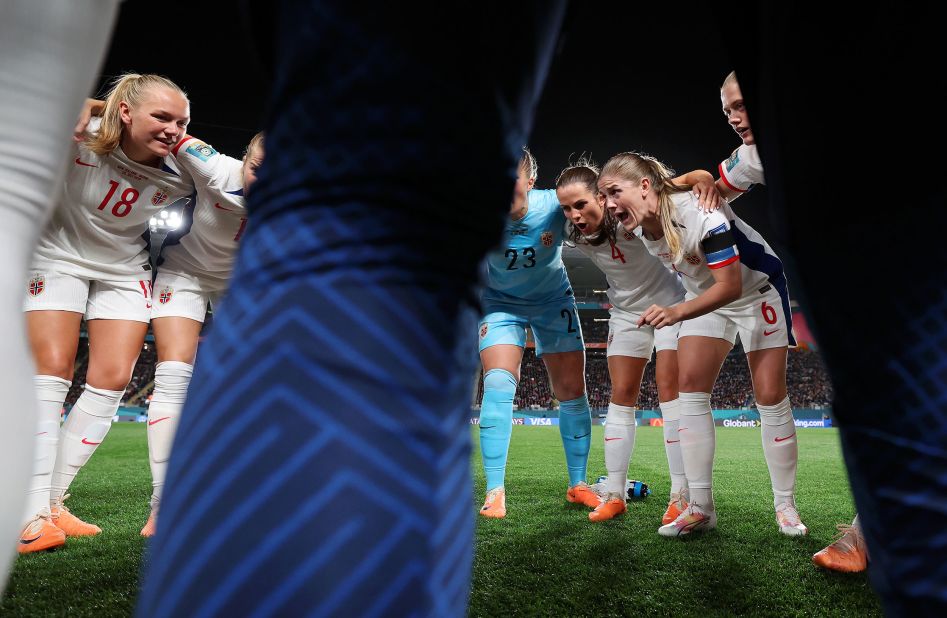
[
  {"x": 124, "y": 112},
  {"x": 530, "y": 183}
]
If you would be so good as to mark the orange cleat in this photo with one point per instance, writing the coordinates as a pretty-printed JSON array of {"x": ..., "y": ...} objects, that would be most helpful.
[
  {"x": 39, "y": 535},
  {"x": 69, "y": 523},
  {"x": 583, "y": 494},
  {"x": 848, "y": 554},
  {"x": 676, "y": 506},
  {"x": 151, "y": 525},
  {"x": 611, "y": 508},
  {"x": 495, "y": 504}
]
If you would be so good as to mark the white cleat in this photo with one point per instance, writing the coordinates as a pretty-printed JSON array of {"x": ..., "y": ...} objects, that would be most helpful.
[
  {"x": 789, "y": 521},
  {"x": 693, "y": 519}
]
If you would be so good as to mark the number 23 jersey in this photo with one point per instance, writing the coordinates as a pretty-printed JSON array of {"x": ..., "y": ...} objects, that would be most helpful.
[
  {"x": 96, "y": 230},
  {"x": 527, "y": 268}
]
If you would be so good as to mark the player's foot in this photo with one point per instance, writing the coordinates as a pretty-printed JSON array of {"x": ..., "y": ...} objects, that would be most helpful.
[
  {"x": 151, "y": 524},
  {"x": 692, "y": 519},
  {"x": 789, "y": 521},
  {"x": 848, "y": 554},
  {"x": 583, "y": 494},
  {"x": 495, "y": 503},
  {"x": 612, "y": 507},
  {"x": 69, "y": 523},
  {"x": 676, "y": 506},
  {"x": 39, "y": 535}
]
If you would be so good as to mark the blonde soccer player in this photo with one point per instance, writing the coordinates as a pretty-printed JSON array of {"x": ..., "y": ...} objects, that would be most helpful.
[{"x": 734, "y": 286}]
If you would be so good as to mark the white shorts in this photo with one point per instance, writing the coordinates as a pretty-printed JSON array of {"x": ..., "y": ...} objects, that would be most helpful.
[
  {"x": 48, "y": 290},
  {"x": 760, "y": 321},
  {"x": 182, "y": 296},
  {"x": 626, "y": 339}
]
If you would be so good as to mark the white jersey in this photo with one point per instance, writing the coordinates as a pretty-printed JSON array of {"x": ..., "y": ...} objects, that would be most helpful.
[
  {"x": 743, "y": 169},
  {"x": 636, "y": 280},
  {"x": 714, "y": 240},
  {"x": 97, "y": 230},
  {"x": 208, "y": 249}
]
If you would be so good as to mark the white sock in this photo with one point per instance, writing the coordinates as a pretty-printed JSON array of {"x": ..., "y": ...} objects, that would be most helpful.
[
  {"x": 85, "y": 428},
  {"x": 619, "y": 445},
  {"x": 671, "y": 412},
  {"x": 698, "y": 442},
  {"x": 780, "y": 448},
  {"x": 171, "y": 380},
  {"x": 51, "y": 392}
]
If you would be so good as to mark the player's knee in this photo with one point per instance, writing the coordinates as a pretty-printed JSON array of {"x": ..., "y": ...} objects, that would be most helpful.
[
  {"x": 111, "y": 377},
  {"x": 55, "y": 364},
  {"x": 667, "y": 387},
  {"x": 624, "y": 395},
  {"x": 770, "y": 395}
]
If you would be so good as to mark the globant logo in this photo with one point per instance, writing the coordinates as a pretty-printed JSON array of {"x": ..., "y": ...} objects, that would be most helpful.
[{"x": 731, "y": 423}]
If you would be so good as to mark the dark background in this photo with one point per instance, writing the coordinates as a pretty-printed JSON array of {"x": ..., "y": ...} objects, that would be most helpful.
[{"x": 622, "y": 79}]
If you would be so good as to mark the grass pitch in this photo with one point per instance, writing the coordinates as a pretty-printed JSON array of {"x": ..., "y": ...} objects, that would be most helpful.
[{"x": 545, "y": 558}]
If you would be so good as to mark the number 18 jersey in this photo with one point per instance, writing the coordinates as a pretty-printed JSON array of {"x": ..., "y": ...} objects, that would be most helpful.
[{"x": 96, "y": 231}]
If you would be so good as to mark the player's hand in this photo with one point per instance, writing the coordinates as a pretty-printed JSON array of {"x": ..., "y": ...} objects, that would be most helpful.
[
  {"x": 708, "y": 198},
  {"x": 659, "y": 317},
  {"x": 91, "y": 107}
]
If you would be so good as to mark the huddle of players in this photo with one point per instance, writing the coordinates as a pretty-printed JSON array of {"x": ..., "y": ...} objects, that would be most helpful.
[{"x": 721, "y": 279}]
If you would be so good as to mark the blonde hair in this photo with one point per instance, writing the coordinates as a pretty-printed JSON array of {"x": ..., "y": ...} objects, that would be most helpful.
[
  {"x": 131, "y": 88},
  {"x": 528, "y": 164},
  {"x": 634, "y": 167},
  {"x": 256, "y": 143},
  {"x": 731, "y": 78}
]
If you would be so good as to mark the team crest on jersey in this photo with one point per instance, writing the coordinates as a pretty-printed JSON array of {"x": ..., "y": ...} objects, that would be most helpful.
[
  {"x": 37, "y": 285},
  {"x": 691, "y": 259},
  {"x": 483, "y": 330},
  {"x": 165, "y": 296},
  {"x": 546, "y": 237},
  {"x": 159, "y": 198},
  {"x": 201, "y": 150},
  {"x": 733, "y": 160},
  {"x": 628, "y": 235}
]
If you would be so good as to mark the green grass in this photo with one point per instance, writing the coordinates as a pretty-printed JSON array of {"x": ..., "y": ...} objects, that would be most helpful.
[{"x": 545, "y": 558}]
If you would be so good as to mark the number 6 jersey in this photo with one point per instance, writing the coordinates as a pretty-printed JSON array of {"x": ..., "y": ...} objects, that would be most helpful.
[{"x": 96, "y": 231}]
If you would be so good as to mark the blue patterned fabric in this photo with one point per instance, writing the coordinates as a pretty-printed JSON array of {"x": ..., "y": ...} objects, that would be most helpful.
[{"x": 322, "y": 462}]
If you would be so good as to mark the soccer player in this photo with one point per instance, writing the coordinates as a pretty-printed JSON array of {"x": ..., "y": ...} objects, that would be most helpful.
[
  {"x": 527, "y": 285},
  {"x": 735, "y": 286},
  {"x": 341, "y": 359},
  {"x": 636, "y": 280},
  {"x": 193, "y": 272},
  {"x": 92, "y": 262},
  {"x": 738, "y": 174},
  {"x": 51, "y": 54}
]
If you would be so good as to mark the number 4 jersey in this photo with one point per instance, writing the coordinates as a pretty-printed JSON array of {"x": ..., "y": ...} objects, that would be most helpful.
[
  {"x": 97, "y": 229},
  {"x": 527, "y": 268}
]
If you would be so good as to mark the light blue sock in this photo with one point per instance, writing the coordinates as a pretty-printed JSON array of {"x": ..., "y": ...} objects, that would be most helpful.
[
  {"x": 575, "y": 427},
  {"x": 496, "y": 424}
]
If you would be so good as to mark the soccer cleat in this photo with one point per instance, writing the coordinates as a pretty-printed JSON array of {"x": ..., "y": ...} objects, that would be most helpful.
[
  {"x": 495, "y": 503},
  {"x": 692, "y": 519},
  {"x": 39, "y": 535},
  {"x": 69, "y": 523},
  {"x": 848, "y": 554},
  {"x": 583, "y": 494},
  {"x": 676, "y": 506},
  {"x": 611, "y": 508},
  {"x": 789, "y": 522},
  {"x": 151, "y": 525}
]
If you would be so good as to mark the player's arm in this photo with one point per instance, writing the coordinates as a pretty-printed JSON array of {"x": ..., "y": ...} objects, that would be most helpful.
[
  {"x": 703, "y": 186},
  {"x": 91, "y": 107},
  {"x": 726, "y": 191}
]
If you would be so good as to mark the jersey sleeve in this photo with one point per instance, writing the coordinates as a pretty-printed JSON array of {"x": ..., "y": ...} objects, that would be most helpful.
[
  {"x": 199, "y": 159},
  {"x": 717, "y": 242},
  {"x": 743, "y": 169}
]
